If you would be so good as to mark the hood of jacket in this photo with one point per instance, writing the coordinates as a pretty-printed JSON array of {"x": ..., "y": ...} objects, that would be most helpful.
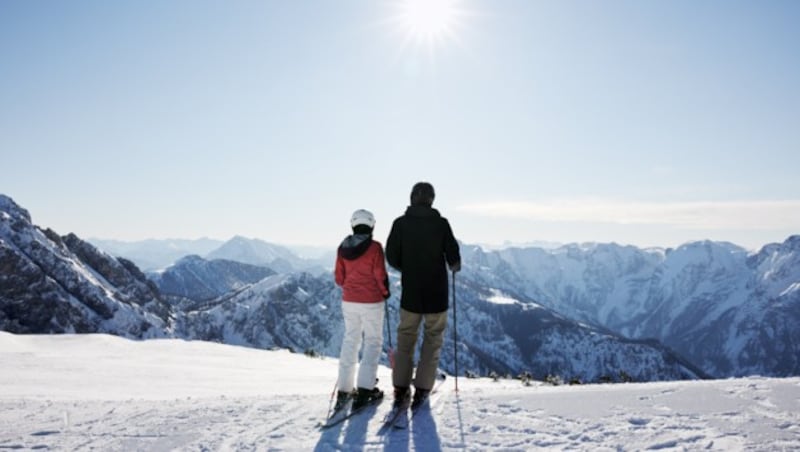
[{"x": 354, "y": 246}]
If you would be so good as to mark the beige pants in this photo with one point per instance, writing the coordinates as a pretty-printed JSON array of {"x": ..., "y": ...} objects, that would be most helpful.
[{"x": 433, "y": 336}]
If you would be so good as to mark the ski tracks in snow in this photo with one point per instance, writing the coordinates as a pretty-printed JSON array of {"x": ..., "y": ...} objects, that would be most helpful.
[
  {"x": 364, "y": 432},
  {"x": 637, "y": 417},
  {"x": 744, "y": 414},
  {"x": 222, "y": 423}
]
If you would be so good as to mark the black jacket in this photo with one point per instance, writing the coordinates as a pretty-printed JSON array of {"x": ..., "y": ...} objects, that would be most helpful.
[{"x": 420, "y": 246}]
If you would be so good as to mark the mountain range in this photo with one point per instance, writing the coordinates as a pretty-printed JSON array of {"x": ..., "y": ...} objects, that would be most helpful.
[
  {"x": 155, "y": 255},
  {"x": 730, "y": 312},
  {"x": 589, "y": 312}
]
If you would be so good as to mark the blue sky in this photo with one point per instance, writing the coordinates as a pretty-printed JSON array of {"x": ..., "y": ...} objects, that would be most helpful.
[{"x": 645, "y": 123}]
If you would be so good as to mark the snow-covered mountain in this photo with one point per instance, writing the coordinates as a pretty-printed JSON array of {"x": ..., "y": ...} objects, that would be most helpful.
[
  {"x": 277, "y": 257},
  {"x": 730, "y": 312},
  {"x": 54, "y": 284},
  {"x": 506, "y": 332},
  {"x": 199, "y": 280},
  {"x": 154, "y": 254},
  {"x": 295, "y": 310},
  {"x": 257, "y": 252}
]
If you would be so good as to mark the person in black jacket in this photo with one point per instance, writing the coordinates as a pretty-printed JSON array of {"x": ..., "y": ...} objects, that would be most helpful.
[{"x": 421, "y": 246}]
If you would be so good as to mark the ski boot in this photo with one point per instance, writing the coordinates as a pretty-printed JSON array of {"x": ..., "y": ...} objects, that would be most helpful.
[
  {"x": 366, "y": 396},
  {"x": 420, "y": 396},
  {"x": 342, "y": 397},
  {"x": 401, "y": 397}
]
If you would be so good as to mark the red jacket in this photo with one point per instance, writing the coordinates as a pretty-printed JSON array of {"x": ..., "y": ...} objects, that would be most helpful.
[{"x": 361, "y": 270}]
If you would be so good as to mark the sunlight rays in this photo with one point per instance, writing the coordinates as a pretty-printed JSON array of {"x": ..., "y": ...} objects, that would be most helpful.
[
  {"x": 427, "y": 25},
  {"x": 428, "y": 20}
]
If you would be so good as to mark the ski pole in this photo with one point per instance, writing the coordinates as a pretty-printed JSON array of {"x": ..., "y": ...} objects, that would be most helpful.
[
  {"x": 333, "y": 394},
  {"x": 455, "y": 330},
  {"x": 389, "y": 335}
]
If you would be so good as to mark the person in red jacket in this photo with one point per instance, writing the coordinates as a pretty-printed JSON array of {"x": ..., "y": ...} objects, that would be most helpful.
[{"x": 361, "y": 273}]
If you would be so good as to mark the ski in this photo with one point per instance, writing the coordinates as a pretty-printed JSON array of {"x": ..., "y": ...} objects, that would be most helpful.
[
  {"x": 401, "y": 423},
  {"x": 335, "y": 414},
  {"x": 392, "y": 417},
  {"x": 343, "y": 414}
]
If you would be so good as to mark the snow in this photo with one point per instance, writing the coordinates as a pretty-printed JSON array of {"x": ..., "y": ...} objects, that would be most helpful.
[
  {"x": 499, "y": 297},
  {"x": 81, "y": 392},
  {"x": 792, "y": 288}
]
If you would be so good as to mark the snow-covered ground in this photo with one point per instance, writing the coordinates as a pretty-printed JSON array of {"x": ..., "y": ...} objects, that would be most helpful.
[{"x": 98, "y": 392}]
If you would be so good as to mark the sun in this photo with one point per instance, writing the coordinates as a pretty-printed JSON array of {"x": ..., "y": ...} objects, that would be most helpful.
[
  {"x": 428, "y": 21},
  {"x": 428, "y": 30}
]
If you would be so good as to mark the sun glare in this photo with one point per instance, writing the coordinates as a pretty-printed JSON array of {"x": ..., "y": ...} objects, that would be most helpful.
[{"x": 428, "y": 20}]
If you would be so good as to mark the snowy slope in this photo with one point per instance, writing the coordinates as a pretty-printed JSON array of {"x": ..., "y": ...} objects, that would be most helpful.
[{"x": 98, "y": 392}]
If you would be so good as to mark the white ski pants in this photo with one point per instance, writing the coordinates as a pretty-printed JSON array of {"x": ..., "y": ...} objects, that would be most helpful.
[{"x": 360, "y": 319}]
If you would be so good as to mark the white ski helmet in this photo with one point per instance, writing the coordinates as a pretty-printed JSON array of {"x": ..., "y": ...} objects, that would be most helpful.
[{"x": 364, "y": 217}]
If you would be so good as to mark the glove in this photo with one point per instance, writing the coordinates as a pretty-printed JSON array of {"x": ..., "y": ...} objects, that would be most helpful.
[{"x": 455, "y": 268}]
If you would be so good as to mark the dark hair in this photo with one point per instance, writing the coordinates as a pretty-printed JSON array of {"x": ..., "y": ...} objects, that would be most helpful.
[{"x": 422, "y": 194}]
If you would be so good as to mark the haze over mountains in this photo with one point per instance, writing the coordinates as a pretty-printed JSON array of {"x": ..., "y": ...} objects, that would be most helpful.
[
  {"x": 158, "y": 254},
  {"x": 591, "y": 312}
]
